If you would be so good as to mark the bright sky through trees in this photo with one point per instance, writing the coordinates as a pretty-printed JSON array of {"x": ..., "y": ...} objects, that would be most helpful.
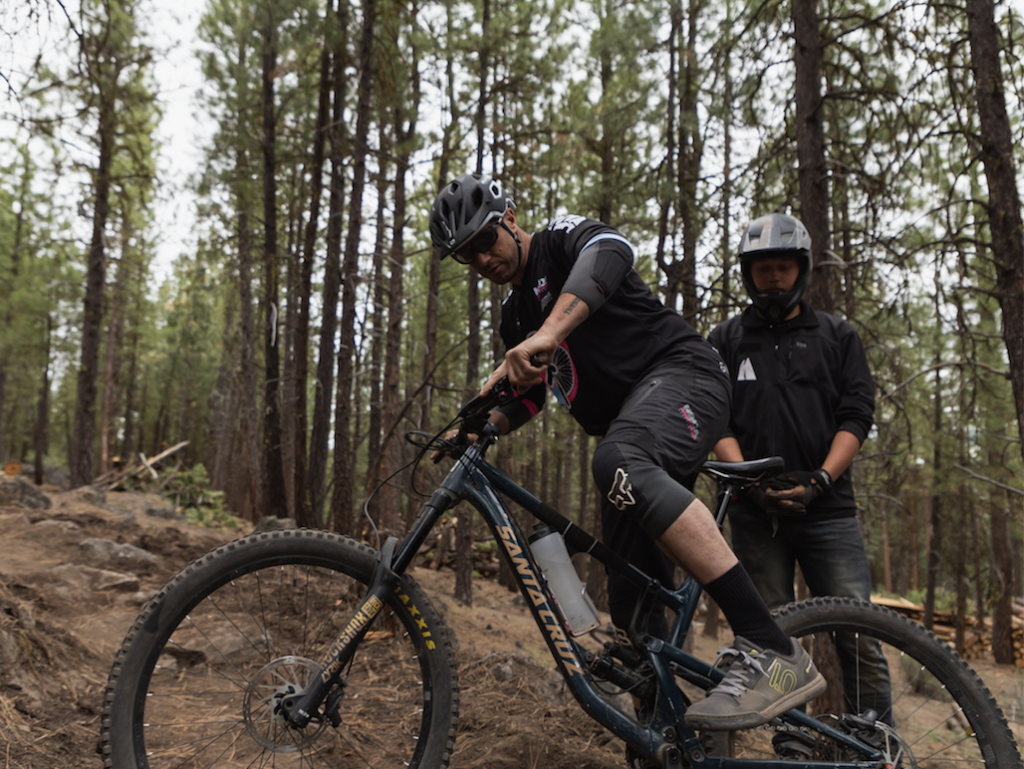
[{"x": 171, "y": 25}]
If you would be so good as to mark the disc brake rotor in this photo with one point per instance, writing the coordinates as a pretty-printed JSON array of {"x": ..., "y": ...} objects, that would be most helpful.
[{"x": 261, "y": 709}]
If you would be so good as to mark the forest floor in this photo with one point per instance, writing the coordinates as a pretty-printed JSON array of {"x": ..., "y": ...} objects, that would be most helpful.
[{"x": 64, "y": 613}]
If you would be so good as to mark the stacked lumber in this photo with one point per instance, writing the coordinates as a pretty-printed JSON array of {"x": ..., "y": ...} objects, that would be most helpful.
[{"x": 977, "y": 636}]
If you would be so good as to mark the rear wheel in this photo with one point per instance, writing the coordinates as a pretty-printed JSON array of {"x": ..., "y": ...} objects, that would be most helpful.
[
  {"x": 199, "y": 679},
  {"x": 935, "y": 711}
]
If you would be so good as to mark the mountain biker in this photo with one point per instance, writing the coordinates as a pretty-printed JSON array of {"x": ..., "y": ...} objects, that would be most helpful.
[
  {"x": 802, "y": 390},
  {"x": 633, "y": 371}
]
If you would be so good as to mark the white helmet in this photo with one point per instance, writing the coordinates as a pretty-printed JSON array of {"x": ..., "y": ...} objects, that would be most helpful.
[{"x": 776, "y": 235}]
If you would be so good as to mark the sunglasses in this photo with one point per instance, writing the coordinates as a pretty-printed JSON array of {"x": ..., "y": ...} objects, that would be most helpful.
[{"x": 478, "y": 244}]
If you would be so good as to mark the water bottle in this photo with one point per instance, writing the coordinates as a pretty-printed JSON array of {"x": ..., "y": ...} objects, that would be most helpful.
[{"x": 578, "y": 611}]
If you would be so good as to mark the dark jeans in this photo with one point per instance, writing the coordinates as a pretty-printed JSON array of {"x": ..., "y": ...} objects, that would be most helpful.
[{"x": 833, "y": 561}]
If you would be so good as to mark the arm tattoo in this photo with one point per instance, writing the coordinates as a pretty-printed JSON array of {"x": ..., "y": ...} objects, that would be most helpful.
[{"x": 572, "y": 306}]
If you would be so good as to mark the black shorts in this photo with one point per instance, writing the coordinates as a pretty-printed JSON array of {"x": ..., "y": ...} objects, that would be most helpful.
[{"x": 675, "y": 415}]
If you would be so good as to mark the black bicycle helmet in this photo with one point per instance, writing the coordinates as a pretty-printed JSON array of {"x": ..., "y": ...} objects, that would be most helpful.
[
  {"x": 776, "y": 235},
  {"x": 463, "y": 208}
]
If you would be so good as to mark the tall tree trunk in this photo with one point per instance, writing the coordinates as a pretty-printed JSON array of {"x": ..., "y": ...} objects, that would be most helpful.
[
  {"x": 303, "y": 510},
  {"x": 43, "y": 409},
  {"x": 375, "y": 462},
  {"x": 92, "y": 315},
  {"x": 935, "y": 538},
  {"x": 690, "y": 152},
  {"x": 670, "y": 166},
  {"x": 128, "y": 443},
  {"x": 7, "y": 315},
  {"x": 319, "y": 439},
  {"x": 275, "y": 503},
  {"x": 391, "y": 449},
  {"x": 810, "y": 142},
  {"x": 1001, "y": 568},
  {"x": 341, "y": 500},
  {"x": 463, "y": 527},
  {"x": 247, "y": 494},
  {"x": 725, "y": 307},
  {"x": 886, "y": 561},
  {"x": 109, "y": 396},
  {"x": 1003, "y": 196},
  {"x": 220, "y": 404}
]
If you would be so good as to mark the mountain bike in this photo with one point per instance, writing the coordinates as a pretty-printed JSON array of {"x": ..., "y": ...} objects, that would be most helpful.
[{"x": 305, "y": 648}]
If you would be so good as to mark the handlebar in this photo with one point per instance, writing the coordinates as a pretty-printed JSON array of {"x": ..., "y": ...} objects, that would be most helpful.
[
  {"x": 502, "y": 393},
  {"x": 475, "y": 412}
]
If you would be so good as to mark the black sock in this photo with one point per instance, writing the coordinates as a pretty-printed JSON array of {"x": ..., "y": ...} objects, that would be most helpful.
[{"x": 746, "y": 611}]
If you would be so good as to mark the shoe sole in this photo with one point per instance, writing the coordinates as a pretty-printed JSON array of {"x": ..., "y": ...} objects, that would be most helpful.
[{"x": 731, "y": 723}]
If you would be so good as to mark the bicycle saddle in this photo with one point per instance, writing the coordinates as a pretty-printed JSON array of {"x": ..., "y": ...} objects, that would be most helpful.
[{"x": 749, "y": 469}]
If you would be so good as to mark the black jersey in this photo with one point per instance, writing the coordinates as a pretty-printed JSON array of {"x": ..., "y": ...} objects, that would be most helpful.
[
  {"x": 604, "y": 357},
  {"x": 795, "y": 384}
]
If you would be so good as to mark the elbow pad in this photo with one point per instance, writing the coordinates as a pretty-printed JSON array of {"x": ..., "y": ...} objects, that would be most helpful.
[{"x": 603, "y": 263}]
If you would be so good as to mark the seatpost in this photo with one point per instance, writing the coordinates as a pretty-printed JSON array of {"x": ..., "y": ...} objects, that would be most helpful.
[{"x": 731, "y": 487}]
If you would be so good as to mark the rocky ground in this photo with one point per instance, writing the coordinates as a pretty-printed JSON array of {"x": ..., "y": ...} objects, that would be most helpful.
[{"x": 76, "y": 567}]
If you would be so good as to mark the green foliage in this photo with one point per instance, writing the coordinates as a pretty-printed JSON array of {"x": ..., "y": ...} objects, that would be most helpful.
[{"x": 190, "y": 491}]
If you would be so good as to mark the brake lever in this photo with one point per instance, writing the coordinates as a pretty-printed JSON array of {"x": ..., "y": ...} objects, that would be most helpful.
[{"x": 476, "y": 411}]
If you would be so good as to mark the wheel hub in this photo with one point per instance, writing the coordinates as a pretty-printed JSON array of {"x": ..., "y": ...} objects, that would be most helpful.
[{"x": 262, "y": 709}]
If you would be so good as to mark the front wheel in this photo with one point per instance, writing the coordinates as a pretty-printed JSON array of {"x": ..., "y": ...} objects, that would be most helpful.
[
  {"x": 892, "y": 684},
  {"x": 199, "y": 679}
]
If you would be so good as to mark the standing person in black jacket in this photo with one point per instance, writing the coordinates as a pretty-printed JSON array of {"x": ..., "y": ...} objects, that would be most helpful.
[
  {"x": 802, "y": 390},
  {"x": 633, "y": 371}
]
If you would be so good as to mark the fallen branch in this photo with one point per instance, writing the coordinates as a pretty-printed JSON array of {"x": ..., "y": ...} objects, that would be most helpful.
[{"x": 109, "y": 480}]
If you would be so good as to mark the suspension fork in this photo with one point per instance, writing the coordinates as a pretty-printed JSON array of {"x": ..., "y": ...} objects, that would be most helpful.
[{"x": 298, "y": 709}]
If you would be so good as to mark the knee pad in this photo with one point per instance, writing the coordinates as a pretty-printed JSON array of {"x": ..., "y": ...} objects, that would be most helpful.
[{"x": 633, "y": 484}]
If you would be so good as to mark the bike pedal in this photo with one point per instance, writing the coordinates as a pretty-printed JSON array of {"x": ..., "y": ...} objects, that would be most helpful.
[{"x": 719, "y": 744}]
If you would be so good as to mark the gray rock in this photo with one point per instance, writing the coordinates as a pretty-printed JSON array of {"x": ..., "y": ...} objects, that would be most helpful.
[
  {"x": 69, "y": 526},
  {"x": 167, "y": 513},
  {"x": 17, "y": 492},
  {"x": 102, "y": 580},
  {"x": 103, "y": 552},
  {"x": 90, "y": 495},
  {"x": 55, "y": 476}
]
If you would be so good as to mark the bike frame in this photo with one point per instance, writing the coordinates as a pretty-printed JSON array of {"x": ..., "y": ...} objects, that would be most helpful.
[{"x": 474, "y": 480}]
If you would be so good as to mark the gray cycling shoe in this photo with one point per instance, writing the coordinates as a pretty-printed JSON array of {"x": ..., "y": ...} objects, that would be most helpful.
[{"x": 759, "y": 684}]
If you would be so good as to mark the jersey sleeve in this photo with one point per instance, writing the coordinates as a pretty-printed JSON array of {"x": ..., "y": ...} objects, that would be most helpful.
[
  {"x": 596, "y": 257},
  {"x": 856, "y": 410}
]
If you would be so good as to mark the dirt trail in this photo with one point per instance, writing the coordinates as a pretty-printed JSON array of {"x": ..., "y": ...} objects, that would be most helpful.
[{"x": 67, "y": 600}]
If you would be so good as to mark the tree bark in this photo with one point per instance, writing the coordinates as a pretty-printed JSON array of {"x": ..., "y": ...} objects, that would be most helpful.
[
  {"x": 43, "y": 409},
  {"x": 275, "y": 502},
  {"x": 1004, "y": 199},
  {"x": 344, "y": 464},
  {"x": 303, "y": 510},
  {"x": 390, "y": 450},
  {"x": 319, "y": 439},
  {"x": 92, "y": 315},
  {"x": 810, "y": 141},
  {"x": 107, "y": 402},
  {"x": 935, "y": 539},
  {"x": 690, "y": 152},
  {"x": 375, "y": 462},
  {"x": 1001, "y": 572},
  {"x": 247, "y": 491}
]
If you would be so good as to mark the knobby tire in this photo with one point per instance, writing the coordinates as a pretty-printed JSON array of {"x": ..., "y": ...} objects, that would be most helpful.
[
  {"x": 941, "y": 710},
  {"x": 200, "y": 674}
]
